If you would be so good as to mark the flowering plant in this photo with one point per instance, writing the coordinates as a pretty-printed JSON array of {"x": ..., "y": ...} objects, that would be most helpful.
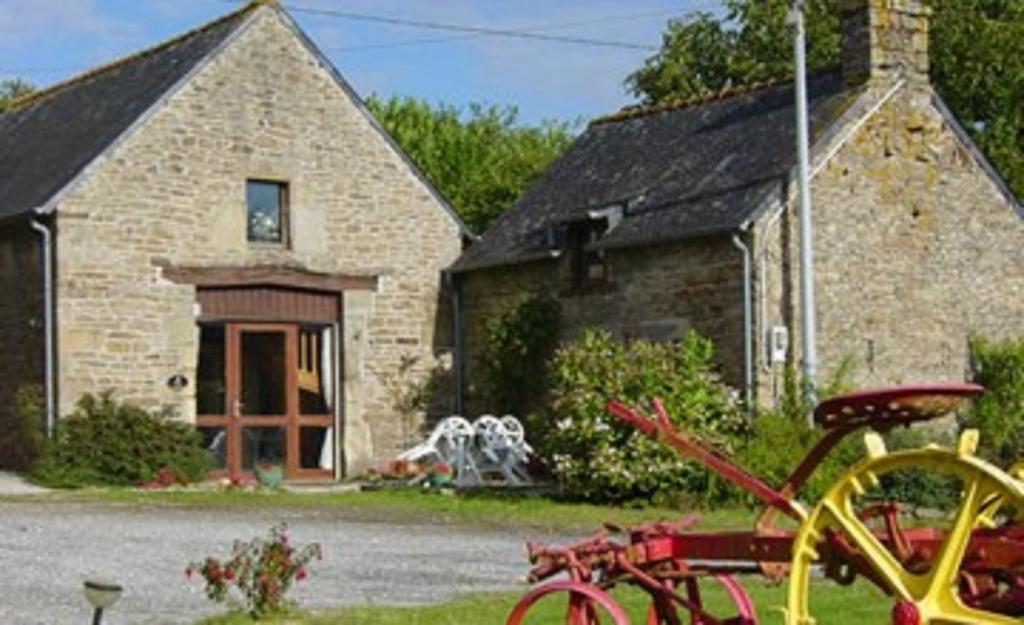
[{"x": 259, "y": 573}]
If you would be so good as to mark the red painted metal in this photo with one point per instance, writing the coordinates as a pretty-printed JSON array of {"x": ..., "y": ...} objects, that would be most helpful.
[
  {"x": 583, "y": 599},
  {"x": 664, "y": 558},
  {"x": 663, "y": 429},
  {"x": 889, "y": 407},
  {"x": 905, "y": 613}
]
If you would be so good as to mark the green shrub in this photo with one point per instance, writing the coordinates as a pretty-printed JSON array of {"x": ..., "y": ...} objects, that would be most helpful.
[
  {"x": 513, "y": 369},
  {"x": 106, "y": 442},
  {"x": 919, "y": 488},
  {"x": 779, "y": 441},
  {"x": 596, "y": 457},
  {"x": 23, "y": 429},
  {"x": 999, "y": 413}
]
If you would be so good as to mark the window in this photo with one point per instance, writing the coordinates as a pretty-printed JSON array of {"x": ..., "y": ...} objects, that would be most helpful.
[
  {"x": 266, "y": 215},
  {"x": 587, "y": 265}
]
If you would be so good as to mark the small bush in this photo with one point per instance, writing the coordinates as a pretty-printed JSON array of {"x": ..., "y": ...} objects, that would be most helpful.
[
  {"x": 23, "y": 429},
  {"x": 600, "y": 459},
  {"x": 920, "y": 487},
  {"x": 259, "y": 573},
  {"x": 513, "y": 368},
  {"x": 104, "y": 442},
  {"x": 778, "y": 442},
  {"x": 999, "y": 413}
]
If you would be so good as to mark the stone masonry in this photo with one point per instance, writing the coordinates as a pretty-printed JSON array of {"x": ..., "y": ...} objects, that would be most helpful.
[
  {"x": 173, "y": 193},
  {"x": 657, "y": 292},
  {"x": 916, "y": 250},
  {"x": 884, "y": 39}
]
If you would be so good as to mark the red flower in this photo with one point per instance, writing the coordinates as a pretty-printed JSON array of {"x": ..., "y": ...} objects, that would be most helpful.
[
  {"x": 300, "y": 574},
  {"x": 229, "y": 573},
  {"x": 189, "y": 572}
]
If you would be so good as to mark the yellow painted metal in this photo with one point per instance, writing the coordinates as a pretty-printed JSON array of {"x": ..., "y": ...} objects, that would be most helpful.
[{"x": 985, "y": 488}]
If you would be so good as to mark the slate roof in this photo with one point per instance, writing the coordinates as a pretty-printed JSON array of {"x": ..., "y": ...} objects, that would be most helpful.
[
  {"x": 50, "y": 136},
  {"x": 680, "y": 171}
]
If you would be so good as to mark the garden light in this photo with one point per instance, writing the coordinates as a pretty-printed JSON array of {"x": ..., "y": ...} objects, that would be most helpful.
[{"x": 101, "y": 594}]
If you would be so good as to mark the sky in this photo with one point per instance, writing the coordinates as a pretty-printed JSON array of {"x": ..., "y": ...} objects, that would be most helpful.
[{"x": 44, "y": 41}]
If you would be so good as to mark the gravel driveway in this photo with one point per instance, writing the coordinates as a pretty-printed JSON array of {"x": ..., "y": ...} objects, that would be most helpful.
[{"x": 47, "y": 549}]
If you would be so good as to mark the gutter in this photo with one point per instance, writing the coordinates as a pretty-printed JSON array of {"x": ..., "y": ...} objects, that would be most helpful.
[
  {"x": 49, "y": 330},
  {"x": 458, "y": 350},
  {"x": 748, "y": 322}
]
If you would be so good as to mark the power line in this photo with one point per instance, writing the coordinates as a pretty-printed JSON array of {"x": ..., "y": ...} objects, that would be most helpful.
[
  {"x": 465, "y": 28},
  {"x": 426, "y": 41}
]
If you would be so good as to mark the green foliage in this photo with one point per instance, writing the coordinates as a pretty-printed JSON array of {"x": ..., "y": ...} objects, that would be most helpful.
[
  {"x": 105, "y": 442},
  {"x": 598, "y": 458},
  {"x": 919, "y": 488},
  {"x": 977, "y": 60},
  {"x": 513, "y": 368},
  {"x": 751, "y": 43},
  {"x": 481, "y": 160},
  {"x": 779, "y": 441},
  {"x": 999, "y": 413},
  {"x": 11, "y": 89},
  {"x": 257, "y": 577},
  {"x": 23, "y": 429}
]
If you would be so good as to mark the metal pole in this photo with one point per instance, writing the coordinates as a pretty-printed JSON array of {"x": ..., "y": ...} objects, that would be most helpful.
[
  {"x": 748, "y": 332},
  {"x": 810, "y": 363},
  {"x": 97, "y": 616}
]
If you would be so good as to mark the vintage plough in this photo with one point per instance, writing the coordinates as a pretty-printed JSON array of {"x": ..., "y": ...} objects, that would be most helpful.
[{"x": 967, "y": 570}]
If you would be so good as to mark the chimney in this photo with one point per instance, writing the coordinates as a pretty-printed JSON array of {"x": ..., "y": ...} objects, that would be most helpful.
[{"x": 884, "y": 39}]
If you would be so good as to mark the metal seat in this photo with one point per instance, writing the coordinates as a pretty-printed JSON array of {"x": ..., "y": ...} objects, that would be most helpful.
[{"x": 899, "y": 405}]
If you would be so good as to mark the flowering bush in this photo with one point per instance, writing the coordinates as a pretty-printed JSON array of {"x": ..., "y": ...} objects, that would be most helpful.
[
  {"x": 598, "y": 458},
  {"x": 259, "y": 573}
]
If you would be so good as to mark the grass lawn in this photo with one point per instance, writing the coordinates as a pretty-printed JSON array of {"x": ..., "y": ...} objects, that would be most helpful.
[
  {"x": 486, "y": 509},
  {"x": 859, "y": 604}
]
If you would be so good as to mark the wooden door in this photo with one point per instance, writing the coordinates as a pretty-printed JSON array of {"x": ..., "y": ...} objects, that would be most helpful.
[{"x": 276, "y": 401}]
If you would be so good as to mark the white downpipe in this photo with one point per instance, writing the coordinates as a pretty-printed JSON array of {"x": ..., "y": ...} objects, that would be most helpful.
[
  {"x": 748, "y": 329},
  {"x": 51, "y": 408},
  {"x": 810, "y": 360}
]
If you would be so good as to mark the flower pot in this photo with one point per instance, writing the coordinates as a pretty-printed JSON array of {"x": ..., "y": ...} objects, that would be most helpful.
[{"x": 270, "y": 475}]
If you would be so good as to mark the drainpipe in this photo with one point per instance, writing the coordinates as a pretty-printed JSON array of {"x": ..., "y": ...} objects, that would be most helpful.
[
  {"x": 810, "y": 363},
  {"x": 748, "y": 324},
  {"x": 458, "y": 356},
  {"x": 47, "y": 240}
]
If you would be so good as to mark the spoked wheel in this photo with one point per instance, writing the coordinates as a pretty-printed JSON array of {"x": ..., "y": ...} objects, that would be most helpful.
[
  {"x": 925, "y": 592},
  {"x": 664, "y": 611},
  {"x": 587, "y": 605}
]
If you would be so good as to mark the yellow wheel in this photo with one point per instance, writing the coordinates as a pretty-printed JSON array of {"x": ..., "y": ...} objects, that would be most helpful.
[{"x": 926, "y": 593}]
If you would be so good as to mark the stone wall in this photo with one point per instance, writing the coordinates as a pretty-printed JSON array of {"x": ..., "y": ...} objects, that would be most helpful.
[
  {"x": 916, "y": 249},
  {"x": 884, "y": 39},
  {"x": 657, "y": 292},
  {"x": 22, "y": 328},
  {"x": 173, "y": 193}
]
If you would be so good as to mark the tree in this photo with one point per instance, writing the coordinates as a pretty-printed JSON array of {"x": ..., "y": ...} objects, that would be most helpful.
[
  {"x": 977, "y": 58},
  {"x": 11, "y": 89},
  {"x": 480, "y": 160}
]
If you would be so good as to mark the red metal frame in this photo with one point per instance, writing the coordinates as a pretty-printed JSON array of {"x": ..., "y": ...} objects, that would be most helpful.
[{"x": 658, "y": 557}]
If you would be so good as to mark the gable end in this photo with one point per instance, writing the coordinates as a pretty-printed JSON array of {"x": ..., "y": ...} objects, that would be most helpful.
[{"x": 358, "y": 103}]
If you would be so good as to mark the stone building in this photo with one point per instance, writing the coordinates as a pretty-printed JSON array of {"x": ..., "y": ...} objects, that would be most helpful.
[
  {"x": 683, "y": 215},
  {"x": 218, "y": 226}
]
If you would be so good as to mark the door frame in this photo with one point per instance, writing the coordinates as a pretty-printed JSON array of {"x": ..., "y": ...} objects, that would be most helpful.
[{"x": 292, "y": 421}]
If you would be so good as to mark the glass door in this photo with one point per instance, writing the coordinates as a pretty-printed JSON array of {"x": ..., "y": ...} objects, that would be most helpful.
[{"x": 264, "y": 398}]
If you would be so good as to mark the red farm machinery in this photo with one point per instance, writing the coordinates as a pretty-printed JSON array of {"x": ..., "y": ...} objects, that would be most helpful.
[{"x": 967, "y": 568}]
